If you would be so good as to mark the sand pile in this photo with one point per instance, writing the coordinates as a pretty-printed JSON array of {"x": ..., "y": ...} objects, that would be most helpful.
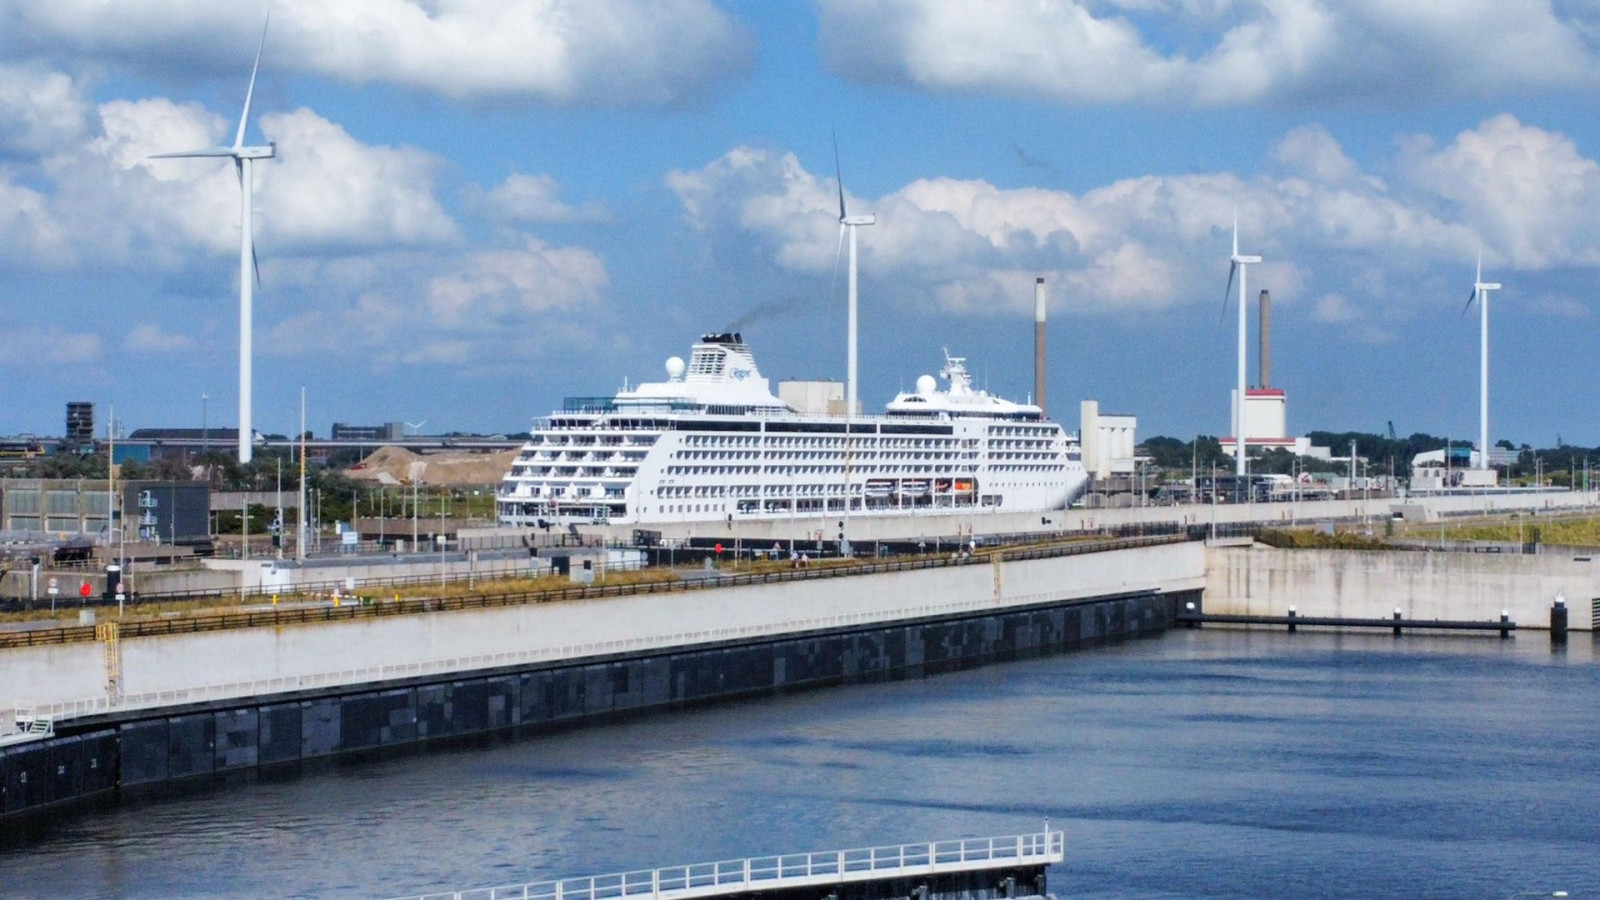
[{"x": 397, "y": 465}]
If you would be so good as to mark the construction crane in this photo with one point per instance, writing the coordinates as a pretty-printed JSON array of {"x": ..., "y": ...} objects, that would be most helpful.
[{"x": 1391, "y": 430}]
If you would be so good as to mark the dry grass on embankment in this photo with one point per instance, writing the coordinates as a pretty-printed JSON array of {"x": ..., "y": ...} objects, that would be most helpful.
[
  {"x": 1567, "y": 531},
  {"x": 1311, "y": 539}
]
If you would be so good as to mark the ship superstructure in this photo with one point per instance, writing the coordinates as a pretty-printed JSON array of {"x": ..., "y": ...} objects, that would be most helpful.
[{"x": 712, "y": 443}]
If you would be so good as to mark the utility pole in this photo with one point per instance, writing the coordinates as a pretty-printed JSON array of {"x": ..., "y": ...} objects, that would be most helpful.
[
  {"x": 111, "y": 474},
  {"x": 300, "y": 513}
]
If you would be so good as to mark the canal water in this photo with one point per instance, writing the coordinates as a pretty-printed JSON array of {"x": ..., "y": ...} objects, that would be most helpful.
[{"x": 1196, "y": 765}]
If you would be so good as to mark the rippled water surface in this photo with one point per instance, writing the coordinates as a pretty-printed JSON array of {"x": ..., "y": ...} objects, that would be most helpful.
[{"x": 1199, "y": 764}]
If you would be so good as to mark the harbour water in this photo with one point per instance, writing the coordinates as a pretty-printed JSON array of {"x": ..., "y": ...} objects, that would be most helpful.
[{"x": 1200, "y": 764}]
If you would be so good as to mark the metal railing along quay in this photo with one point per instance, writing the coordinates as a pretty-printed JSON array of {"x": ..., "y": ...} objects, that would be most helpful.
[
  {"x": 769, "y": 873},
  {"x": 355, "y": 609}
]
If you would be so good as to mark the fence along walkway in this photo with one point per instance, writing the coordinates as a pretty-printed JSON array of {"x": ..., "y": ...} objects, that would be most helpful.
[{"x": 769, "y": 873}]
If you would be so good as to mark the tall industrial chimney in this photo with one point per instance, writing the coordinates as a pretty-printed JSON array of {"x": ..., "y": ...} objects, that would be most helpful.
[
  {"x": 1266, "y": 340},
  {"x": 1038, "y": 343}
]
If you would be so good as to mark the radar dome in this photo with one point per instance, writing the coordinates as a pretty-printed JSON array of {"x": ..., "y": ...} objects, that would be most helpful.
[
  {"x": 675, "y": 367},
  {"x": 926, "y": 384}
]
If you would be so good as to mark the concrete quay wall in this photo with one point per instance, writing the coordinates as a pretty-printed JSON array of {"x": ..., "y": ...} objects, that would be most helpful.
[
  {"x": 239, "y": 662},
  {"x": 1259, "y": 580},
  {"x": 1013, "y": 610}
]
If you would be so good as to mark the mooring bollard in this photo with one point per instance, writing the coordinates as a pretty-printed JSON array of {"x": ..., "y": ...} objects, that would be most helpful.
[
  {"x": 1397, "y": 621},
  {"x": 1558, "y": 621},
  {"x": 1505, "y": 624},
  {"x": 1291, "y": 620}
]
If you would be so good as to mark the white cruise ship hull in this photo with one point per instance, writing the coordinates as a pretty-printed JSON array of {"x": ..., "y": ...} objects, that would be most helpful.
[{"x": 713, "y": 444}]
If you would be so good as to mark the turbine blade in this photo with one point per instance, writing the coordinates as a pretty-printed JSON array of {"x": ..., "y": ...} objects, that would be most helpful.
[
  {"x": 190, "y": 154},
  {"x": 1470, "y": 297},
  {"x": 1236, "y": 230},
  {"x": 244, "y": 118},
  {"x": 838, "y": 176},
  {"x": 1227, "y": 292},
  {"x": 255, "y": 263}
]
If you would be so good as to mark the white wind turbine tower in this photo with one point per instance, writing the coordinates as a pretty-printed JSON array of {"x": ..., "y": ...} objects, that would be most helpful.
[
  {"x": 1237, "y": 264},
  {"x": 242, "y": 157},
  {"x": 850, "y": 223},
  {"x": 1480, "y": 293}
]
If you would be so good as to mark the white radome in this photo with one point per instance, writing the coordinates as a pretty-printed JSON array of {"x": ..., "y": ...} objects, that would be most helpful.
[{"x": 675, "y": 367}]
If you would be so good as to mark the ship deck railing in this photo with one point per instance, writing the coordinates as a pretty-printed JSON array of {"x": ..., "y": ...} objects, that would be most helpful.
[{"x": 799, "y": 870}]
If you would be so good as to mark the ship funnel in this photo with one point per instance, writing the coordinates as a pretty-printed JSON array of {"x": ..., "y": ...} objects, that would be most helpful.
[
  {"x": 1266, "y": 340},
  {"x": 1038, "y": 343}
]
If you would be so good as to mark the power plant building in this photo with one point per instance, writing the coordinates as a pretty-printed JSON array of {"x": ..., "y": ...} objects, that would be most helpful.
[{"x": 1108, "y": 441}]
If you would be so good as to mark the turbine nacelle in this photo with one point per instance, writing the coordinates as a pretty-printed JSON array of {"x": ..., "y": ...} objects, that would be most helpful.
[{"x": 868, "y": 219}]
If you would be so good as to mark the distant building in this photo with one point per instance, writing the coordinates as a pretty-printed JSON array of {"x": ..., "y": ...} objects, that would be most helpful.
[
  {"x": 1107, "y": 440},
  {"x": 183, "y": 443},
  {"x": 816, "y": 398},
  {"x": 166, "y": 512},
  {"x": 80, "y": 427},
  {"x": 388, "y": 431},
  {"x": 1457, "y": 466},
  {"x": 69, "y": 506}
]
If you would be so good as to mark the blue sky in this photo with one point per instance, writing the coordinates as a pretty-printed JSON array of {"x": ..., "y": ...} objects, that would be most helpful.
[{"x": 481, "y": 207}]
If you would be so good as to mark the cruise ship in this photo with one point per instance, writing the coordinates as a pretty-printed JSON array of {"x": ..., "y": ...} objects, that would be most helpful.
[{"x": 713, "y": 443}]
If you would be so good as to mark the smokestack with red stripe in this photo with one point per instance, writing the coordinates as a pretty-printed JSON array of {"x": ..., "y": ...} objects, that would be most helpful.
[
  {"x": 1266, "y": 340},
  {"x": 1038, "y": 343}
]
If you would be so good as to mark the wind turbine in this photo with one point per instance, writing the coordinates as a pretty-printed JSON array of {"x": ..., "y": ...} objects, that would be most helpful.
[
  {"x": 850, "y": 223},
  {"x": 1480, "y": 293},
  {"x": 1238, "y": 264},
  {"x": 242, "y": 157}
]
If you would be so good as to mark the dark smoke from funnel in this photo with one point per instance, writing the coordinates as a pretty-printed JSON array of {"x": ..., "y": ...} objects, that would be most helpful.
[{"x": 764, "y": 312}]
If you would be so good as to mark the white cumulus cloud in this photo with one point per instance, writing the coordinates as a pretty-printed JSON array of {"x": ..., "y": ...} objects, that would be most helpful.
[
  {"x": 39, "y": 110},
  {"x": 1218, "y": 53},
  {"x": 970, "y": 247},
  {"x": 33, "y": 346},
  {"x": 487, "y": 307},
  {"x": 600, "y": 52},
  {"x": 532, "y": 198},
  {"x": 326, "y": 193},
  {"x": 149, "y": 338}
]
